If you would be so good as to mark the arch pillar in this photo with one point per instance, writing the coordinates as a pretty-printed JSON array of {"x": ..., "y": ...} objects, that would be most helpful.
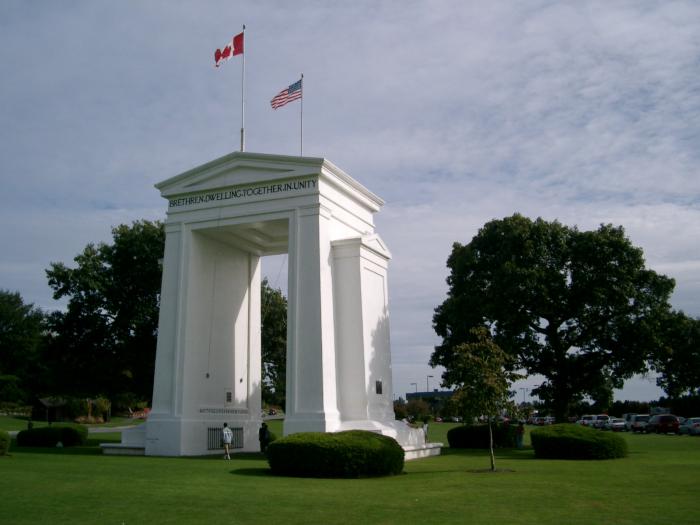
[{"x": 311, "y": 403}]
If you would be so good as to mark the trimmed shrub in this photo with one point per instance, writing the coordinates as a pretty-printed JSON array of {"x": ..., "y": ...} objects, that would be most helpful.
[
  {"x": 69, "y": 435},
  {"x": 477, "y": 436},
  {"x": 567, "y": 441},
  {"x": 4, "y": 442},
  {"x": 348, "y": 454}
]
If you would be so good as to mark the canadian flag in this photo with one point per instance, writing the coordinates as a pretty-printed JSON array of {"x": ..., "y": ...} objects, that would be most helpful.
[{"x": 233, "y": 48}]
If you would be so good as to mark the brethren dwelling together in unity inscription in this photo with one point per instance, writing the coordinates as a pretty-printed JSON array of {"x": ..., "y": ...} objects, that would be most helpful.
[{"x": 222, "y": 218}]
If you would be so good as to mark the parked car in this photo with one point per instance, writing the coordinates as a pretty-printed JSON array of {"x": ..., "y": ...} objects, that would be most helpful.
[
  {"x": 663, "y": 424},
  {"x": 628, "y": 418},
  {"x": 615, "y": 424},
  {"x": 690, "y": 426},
  {"x": 638, "y": 422},
  {"x": 586, "y": 420},
  {"x": 544, "y": 420},
  {"x": 600, "y": 420}
]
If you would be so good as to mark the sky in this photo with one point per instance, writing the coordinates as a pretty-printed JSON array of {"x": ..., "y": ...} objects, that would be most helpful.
[{"x": 454, "y": 112}]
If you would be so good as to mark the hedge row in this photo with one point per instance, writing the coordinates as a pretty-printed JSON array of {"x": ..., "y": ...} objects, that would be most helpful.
[
  {"x": 349, "y": 454},
  {"x": 4, "y": 442},
  {"x": 576, "y": 442},
  {"x": 68, "y": 435},
  {"x": 477, "y": 436}
]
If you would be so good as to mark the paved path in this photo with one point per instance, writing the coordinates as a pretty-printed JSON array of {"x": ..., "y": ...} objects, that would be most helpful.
[
  {"x": 105, "y": 430},
  {"x": 91, "y": 430}
]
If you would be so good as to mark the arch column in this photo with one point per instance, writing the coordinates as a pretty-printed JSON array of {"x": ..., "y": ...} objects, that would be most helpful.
[
  {"x": 311, "y": 367},
  {"x": 208, "y": 355}
]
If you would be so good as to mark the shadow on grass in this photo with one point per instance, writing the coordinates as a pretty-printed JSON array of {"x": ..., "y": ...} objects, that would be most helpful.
[
  {"x": 86, "y": 450},
  {"x": 254, "y": 472},
  {"x": 92, "y": 448},
  {"x": 489, "y": 471},
  {"x": 266, "y": 472},
  {"x": 526, "y": 453},
  {"x": 238, "y": 456}
]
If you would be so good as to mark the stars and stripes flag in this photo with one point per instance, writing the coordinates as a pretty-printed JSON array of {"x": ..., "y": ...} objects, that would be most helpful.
[
  {"x": 231, "y": 49},
  {"x": 287, "y": 95}
]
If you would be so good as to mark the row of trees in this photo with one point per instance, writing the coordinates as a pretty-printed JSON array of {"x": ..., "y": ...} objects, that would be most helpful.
[
  {"x": 104, "y": 342},
  {"x": 21, "y": 331},
  {"x": 577, "y": 307}
]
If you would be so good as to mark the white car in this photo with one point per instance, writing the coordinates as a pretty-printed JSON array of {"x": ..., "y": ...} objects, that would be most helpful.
[
  {"x": 615, "y": 424},
  {"x": 638, "y": 423},
  {"x": 600, "y": 420},
  {"x": 586, "y": 420},
  {"x": 690, "y": 426}
]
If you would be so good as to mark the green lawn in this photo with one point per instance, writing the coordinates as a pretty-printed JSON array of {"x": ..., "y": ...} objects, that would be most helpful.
[
  {"x": 17, "y": 423},
  {"x": 658, "y": 483}
]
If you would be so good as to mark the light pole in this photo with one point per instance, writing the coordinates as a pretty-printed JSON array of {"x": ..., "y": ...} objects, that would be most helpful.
[
  {"x": 427, "y": 388},
  {"x": 416, "y": 385},
  {"x": 524, "y": 389}
]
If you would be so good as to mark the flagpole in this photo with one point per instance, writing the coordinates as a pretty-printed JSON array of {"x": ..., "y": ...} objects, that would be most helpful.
[
  {"x": 243, "y": 96},
  {"x": 301, "y": 119}
]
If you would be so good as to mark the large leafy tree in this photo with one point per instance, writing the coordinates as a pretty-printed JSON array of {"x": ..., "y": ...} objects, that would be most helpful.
[
  {"x": 21, "y": 329},
  {"x": 678, "y": 357},
  {"x": 105, "y": 341},
  {"x": 578, "y": 307},
  {"x": 274, "y": 344}
]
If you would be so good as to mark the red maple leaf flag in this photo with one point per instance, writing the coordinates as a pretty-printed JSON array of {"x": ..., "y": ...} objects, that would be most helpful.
[{"x": 233, "y": 48}]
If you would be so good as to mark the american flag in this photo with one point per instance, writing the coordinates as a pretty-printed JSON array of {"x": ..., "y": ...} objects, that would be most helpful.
[{"x": 287, "y": 95}]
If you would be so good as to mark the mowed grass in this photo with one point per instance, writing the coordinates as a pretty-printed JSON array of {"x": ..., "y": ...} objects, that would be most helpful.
[
  {"x": 17, "y": 423},
  {"x": 657, "y": 483}
]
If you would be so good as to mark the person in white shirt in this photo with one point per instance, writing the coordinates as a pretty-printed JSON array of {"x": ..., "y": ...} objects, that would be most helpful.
[{"x": 227, "y": 435}]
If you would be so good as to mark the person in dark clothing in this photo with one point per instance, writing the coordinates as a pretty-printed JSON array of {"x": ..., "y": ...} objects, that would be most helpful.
[
  {"x": 519, "y": 434},
  {"x": 264, "y": 437}
]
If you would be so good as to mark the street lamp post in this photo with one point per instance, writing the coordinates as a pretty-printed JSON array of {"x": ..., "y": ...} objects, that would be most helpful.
[
  {"x": 524, "y": 390},
  {"x": 427, "y": 388},
  {"x": 416, "y": 385}
]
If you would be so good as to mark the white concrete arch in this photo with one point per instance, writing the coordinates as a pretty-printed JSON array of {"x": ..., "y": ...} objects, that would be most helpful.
[{"x": 222, "y": 217}]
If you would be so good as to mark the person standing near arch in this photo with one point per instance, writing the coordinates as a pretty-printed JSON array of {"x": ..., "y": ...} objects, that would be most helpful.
[
  {"x": 264, "y": 437},
  {"x": 227, "y": 436}
]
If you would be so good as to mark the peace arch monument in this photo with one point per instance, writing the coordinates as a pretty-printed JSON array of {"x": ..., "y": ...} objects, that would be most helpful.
[{"x": 222, "y": 218}]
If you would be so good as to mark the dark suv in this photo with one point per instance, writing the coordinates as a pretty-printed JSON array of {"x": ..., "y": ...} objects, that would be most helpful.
[{"x": 663, "y": 424}]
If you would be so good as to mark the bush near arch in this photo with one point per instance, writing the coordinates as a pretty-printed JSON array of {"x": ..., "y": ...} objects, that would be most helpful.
[
  {"x": 567, "y": 441},
  {"x": 67, "y": 434},
  {"x": 348, "y": 454},
  {"x": 477, "y": 436}
]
